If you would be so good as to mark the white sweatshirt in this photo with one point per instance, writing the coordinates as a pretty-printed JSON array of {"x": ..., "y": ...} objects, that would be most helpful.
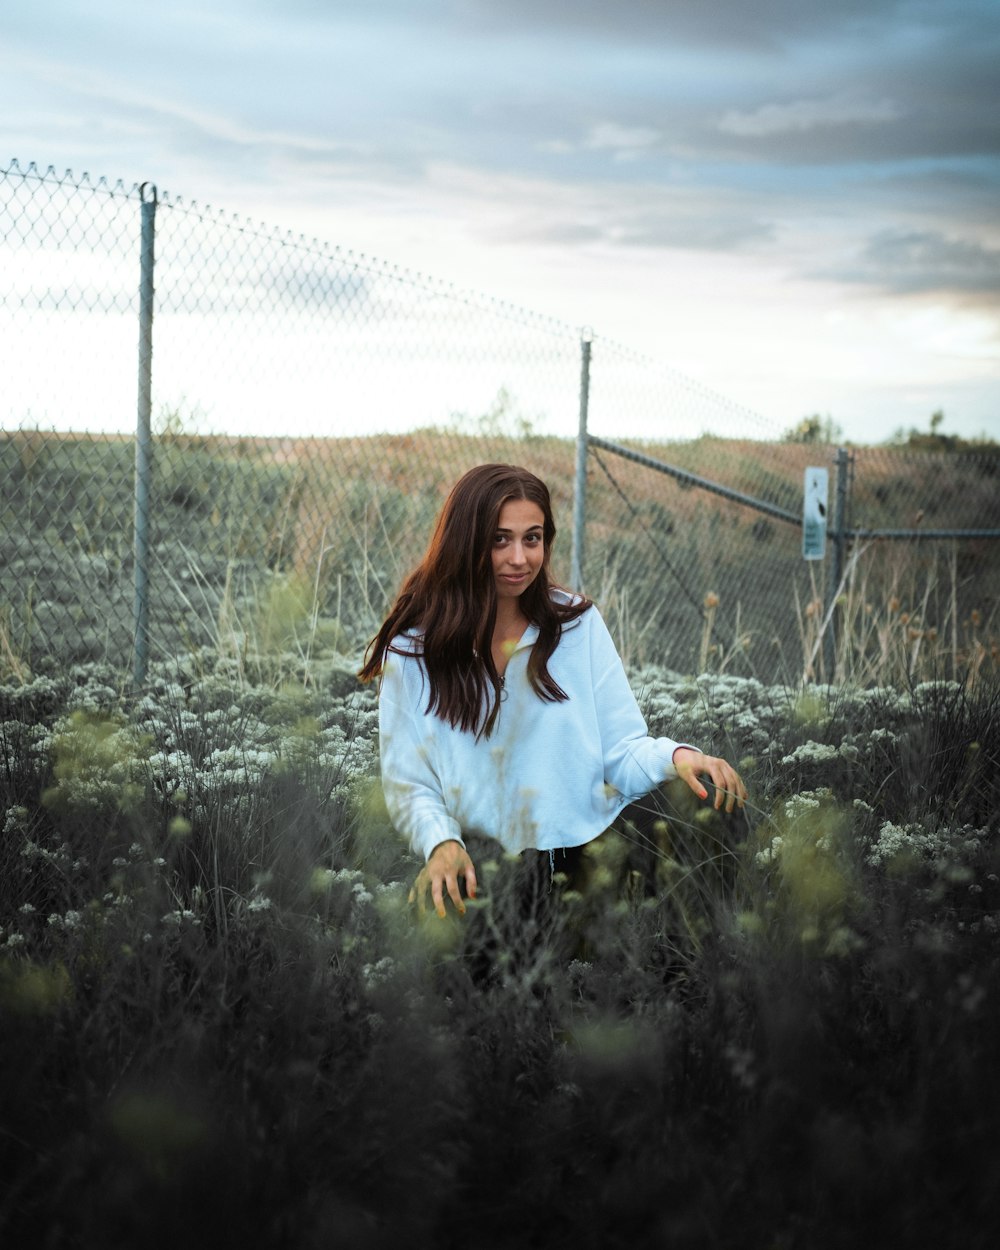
[{"x": 551, "y": 775}]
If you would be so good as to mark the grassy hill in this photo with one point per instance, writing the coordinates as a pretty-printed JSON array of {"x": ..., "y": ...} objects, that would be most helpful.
[{"x": 298, "y": 545}]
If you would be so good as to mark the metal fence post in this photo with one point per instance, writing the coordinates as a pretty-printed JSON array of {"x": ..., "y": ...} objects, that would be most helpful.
[
  {"x": 143, "y": 434},
  {"x": 580, "y": 474},
  {"x": 839, "y": 537}
]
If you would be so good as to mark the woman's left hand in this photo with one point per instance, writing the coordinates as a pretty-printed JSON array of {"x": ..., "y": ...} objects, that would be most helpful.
[{"x": 729, "y": 788}]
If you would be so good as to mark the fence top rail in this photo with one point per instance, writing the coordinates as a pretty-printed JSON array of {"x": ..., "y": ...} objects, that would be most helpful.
[
  {"x": 922, "y": 533},
  {"x": 762, "y": 505},
  {"x": 693, "y": 479}
]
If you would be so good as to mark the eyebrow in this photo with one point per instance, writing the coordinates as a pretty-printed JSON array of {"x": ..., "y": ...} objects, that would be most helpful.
[{"x": 530, "y": 530}]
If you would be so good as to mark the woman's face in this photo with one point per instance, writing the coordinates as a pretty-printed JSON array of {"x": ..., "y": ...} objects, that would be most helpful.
[{"x": 518, "y": 547}]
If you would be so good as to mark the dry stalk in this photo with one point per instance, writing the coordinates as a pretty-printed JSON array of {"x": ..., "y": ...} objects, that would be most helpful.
[
  {"x": 13, "y": 665},
  {"x": 711, "y": 605},
  {"x": 809, "y": 668}
]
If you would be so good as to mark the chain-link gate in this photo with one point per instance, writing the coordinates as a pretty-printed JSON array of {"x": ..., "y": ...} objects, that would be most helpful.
[{"x": 909, "y": 588}]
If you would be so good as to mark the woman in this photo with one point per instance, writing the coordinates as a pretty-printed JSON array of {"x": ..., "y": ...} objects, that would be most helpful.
[{"x": 504, "y": 708}]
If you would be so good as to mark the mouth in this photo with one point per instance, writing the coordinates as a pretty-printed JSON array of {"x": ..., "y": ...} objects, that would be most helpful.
[{"x": 514, "y": 579}]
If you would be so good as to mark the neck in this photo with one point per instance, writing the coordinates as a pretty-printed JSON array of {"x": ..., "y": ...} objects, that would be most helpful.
[{"x": 509, "y": 615}]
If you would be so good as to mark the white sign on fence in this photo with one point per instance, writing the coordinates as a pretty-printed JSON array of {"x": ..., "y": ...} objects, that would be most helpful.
[{"x": 817, "y": 485}]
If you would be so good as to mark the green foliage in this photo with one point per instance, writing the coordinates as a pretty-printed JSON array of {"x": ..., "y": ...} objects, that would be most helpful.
[
  {"x": 502, "y": 420},
  {"x": 815, "y": 429},
  {"x": 935, "y": 440},
  {"x": 222, "y": 1018}
]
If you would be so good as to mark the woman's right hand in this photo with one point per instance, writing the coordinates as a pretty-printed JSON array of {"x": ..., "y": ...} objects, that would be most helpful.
[{"x": 448, "y": 861}]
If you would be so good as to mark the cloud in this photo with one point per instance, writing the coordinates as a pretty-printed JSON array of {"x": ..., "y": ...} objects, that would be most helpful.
[
  {"x": 803, "y": 115},
  {"x": 682, "y": 233},
  {"x": 623, "y": 143},
  {"x": 965, "y": 192},
  {"x": 917, "y": 262},
  {"x": 621, "y": 138},
  {"x": 747, "y": 23},
  {"x": 693, "y": 232},
  {"x": 610, "y": 216}
]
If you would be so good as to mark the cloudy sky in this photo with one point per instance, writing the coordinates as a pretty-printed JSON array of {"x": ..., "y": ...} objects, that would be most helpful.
[{"x": 793, "y": 202}]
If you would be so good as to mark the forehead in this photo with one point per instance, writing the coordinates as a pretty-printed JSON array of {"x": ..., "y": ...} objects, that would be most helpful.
[{"x": 520, "y": 514}]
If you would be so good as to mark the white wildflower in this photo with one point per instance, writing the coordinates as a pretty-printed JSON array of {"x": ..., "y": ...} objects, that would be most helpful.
[
  {"x": 944, "y": 849},
  {"x": 15, "y": 819},
  {"x": 378, "y": 973},
  {"x": 805, "y": 802},
  {"x": 178, "y": 917},
  {"x": 770, "y": 852},
  {"x": 72, "y": 919},
  {"x": 811, "y": 753}
]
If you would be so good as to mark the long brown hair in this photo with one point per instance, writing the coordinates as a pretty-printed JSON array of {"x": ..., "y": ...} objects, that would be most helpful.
[{"x": 450, "y": 601}]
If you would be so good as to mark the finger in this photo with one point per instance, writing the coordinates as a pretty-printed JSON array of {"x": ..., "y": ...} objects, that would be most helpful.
[
  {"x": 419, "y": 892},
  {"x": 734, "y": 790},
  {"x": 740, "y": 790},
  {"x": 437, "y": 895},
  {"x": 725, "y": 794},
  {"x": 690, "y": 778},
  {"x": 471, "y": 884},
  {"x": 454, "y": 895}
]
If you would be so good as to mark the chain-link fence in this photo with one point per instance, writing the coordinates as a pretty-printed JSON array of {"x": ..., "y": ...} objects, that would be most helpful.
[
  {"x": 909, "y": 588},
  {"x": 302, "y": 411}
]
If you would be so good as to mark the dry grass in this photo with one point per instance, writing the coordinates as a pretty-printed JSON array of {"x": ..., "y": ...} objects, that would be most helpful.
[
  {"x": 898, "y": 625},
  {"x": 351, "y": 516}
]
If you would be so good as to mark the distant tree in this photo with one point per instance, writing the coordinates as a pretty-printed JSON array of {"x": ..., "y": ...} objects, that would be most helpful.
[
  {"x": 814, "y": 429},
  {"x": 503, "y": 419},
  {"x": 935, "y": 440}
]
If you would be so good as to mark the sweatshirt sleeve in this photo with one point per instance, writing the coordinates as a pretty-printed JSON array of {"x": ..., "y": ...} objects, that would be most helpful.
[
  {"x": 634, "y": 763},
  {"x": 413, "y": 793}
]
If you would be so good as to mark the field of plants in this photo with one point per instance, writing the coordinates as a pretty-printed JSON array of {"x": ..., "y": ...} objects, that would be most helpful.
[
  {"x": 222, "y": 1024},
  {"x": 222, "y": 1021},
  {"x": 299, "y": 544}
]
